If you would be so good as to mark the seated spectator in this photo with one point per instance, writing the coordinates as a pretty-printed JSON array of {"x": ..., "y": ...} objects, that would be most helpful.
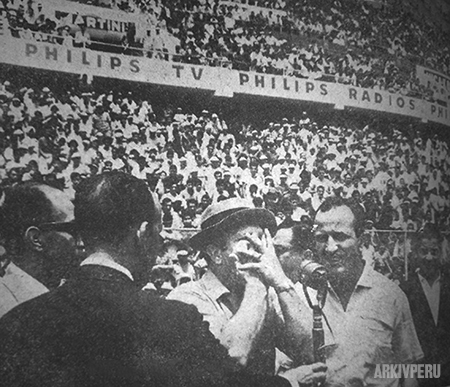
[{"x": 174, "y": 178}]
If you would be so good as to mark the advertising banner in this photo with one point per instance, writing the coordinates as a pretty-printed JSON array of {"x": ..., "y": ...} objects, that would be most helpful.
[
  {"x": 438, "y": 82},
  {"x": 222, "y": 81},
  {"x": 103, "y": 24},
  {"x": 100, "y": 29},
  {"x": 96, "y": 63}
]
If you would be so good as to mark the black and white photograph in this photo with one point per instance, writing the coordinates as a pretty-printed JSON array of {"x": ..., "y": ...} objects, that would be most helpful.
[{"x": 227, "y": 193}]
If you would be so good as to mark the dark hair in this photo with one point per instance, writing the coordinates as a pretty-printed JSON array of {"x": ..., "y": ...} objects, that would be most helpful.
[
  {"x": 166, "y": 200},
  {"x": 429, "y": 231},
  {"x": 108, "y": 205},
  {"x": 258, "y": 202},
  {"x": 336, "y": 201},
  {"x": 25, "y": 205}
]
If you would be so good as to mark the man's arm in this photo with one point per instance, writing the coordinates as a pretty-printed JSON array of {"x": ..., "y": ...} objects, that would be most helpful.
[
  {"x": 239, "y": 334},
  {"x": 208, "y": 363},
  {"x": 296, "y": 339}
]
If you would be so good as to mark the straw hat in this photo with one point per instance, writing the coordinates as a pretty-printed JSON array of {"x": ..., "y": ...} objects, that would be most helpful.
[{"x": 231, "y": 214}]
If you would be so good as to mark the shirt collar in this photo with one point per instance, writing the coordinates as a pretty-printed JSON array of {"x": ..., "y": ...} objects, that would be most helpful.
[
  {"x": 368, "y": 277},
  {"x": 424, "y": 280},
  {"x": 102, "y": 258},
  {"x": 212, "y": 286}
]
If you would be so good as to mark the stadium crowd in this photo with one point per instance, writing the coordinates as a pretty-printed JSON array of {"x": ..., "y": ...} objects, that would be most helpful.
[
  {"x": 399, "y": 179},
  {"x": 374, "y": 49}
]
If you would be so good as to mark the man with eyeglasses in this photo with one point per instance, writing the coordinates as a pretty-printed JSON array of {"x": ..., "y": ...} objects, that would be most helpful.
[
  {"x": 100, "y": 328},
  {"x": 428, "y": 292},
  {"x": 40, "y": 242},
  {"x": 368, "y": 320}
]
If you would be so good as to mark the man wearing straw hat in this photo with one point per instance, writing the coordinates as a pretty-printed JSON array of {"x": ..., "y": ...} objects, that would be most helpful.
[{"x": 249, "y": 302}]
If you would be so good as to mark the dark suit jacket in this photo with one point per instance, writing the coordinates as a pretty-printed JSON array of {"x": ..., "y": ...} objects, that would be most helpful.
[
  {"x": 434, "y": 339},
  {"x": 99, "y": 329}
]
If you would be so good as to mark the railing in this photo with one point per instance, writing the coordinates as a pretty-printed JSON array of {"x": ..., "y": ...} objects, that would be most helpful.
[
  {"x": 250, "y": 3},
  {"x": 126, "y": 49},
  {"x": 401, "y": 243},
  {"x": 403, "y": 63},
  {"x": 375, "y": 235}
]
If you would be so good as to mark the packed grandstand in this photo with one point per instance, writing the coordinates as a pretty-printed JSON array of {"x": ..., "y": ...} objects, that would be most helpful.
[
  {"x": 376, "y": 48},
  {"x": 287, "y": 158}
]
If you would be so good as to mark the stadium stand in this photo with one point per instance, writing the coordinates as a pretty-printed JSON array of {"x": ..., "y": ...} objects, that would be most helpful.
[
  {"x": 192, "y": 156},
  {"x": 376, "y": 48}
]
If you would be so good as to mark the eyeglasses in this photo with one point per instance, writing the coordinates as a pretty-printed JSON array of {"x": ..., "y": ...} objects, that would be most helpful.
[{"x": 68, "y": 227}]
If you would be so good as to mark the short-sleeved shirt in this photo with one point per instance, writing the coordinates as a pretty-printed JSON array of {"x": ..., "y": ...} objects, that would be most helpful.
[
  {"x": 207, "y": 294},
  {"x": 376, "y": 328}
]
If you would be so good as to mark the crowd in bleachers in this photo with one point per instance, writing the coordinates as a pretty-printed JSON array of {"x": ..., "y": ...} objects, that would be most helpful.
[
  {"x": 191, "y": 159},
  {"x": 374, "y": 48}
]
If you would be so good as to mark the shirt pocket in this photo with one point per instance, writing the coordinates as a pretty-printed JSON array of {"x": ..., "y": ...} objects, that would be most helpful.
[{"x": 378, "y": 340}]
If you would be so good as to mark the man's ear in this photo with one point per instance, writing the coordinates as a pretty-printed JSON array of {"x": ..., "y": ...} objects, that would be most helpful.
[
  {"x": 33, "y": 237},
  {"x": 142, "y": 230},
  {"x": 214, "y": 254}
]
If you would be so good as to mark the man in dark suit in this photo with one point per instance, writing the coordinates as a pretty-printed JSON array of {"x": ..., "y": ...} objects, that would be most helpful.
[
  {"x": 428, "y": 292},
  {"x": 100, "y": 328}
]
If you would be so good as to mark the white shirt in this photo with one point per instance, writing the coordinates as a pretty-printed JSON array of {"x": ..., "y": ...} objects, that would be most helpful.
[
  {"x": 16, "y": 287},
  {"x": 432, "y": 293},
  {"x": 376, "y": 328},
  {"x": 101, "y": 258}
]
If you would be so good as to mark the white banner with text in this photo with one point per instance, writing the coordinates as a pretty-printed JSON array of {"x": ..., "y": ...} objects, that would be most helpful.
[{"x": 222, "y": 81}]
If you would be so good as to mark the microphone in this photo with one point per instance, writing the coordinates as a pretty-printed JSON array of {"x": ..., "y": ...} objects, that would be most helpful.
[{"x": 312, "y": 274}]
